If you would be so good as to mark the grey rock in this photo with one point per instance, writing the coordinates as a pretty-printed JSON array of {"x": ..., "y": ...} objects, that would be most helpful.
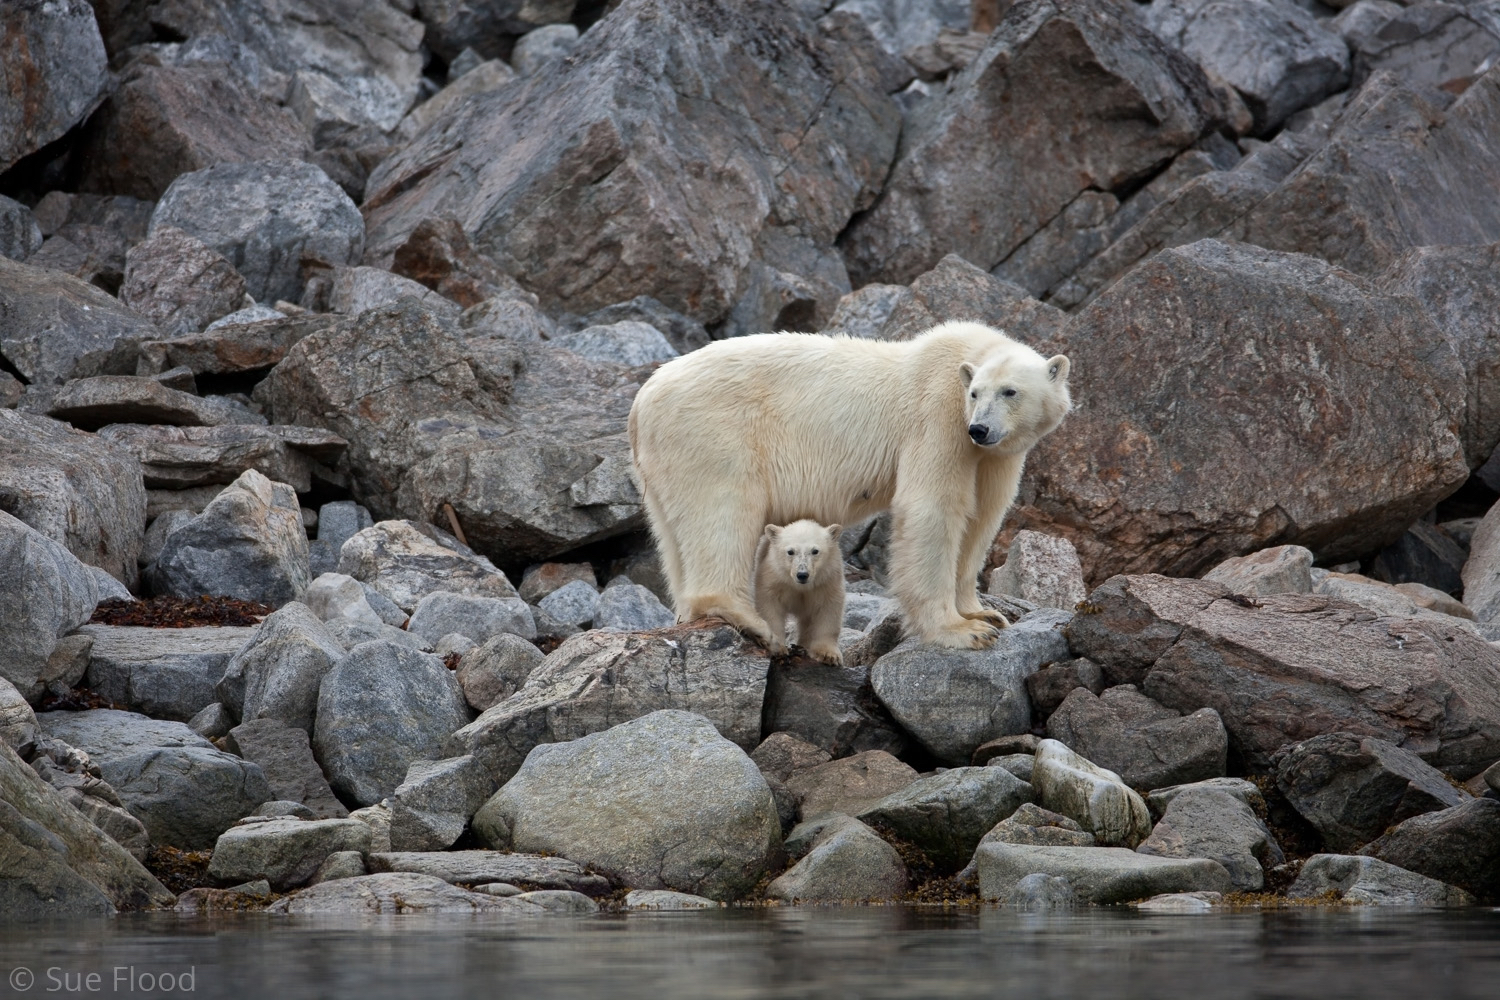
[
  {"x": 830, "y": 705},
  {"x": 479, "y": 618},
  {"x": 1270, "y": 668},
  {"x": 380, "y": 709},
  {"x": 485, "y": 76},
  {"x": 264, "y": 217},
  {"x": 20, "y": 236},
  {"x": 507, "y": 318},
  {"x": 847, "y": 861},
  {"x": 1370, "y": 881},
  {"x": 1181, "y": 902},
  {"x": 541, "y": 46},
  {"x": 1352, "y": 788},
  {"x": 683, "y": 332},
  {"x": 1099, "y": 875},
  {"x": 1429, "y": 44},
  {"x": 617, "y": 83},
  {"x": 243, "y": 341},
  {"x": 1050, "y": 686},
  {"x": 1481, "y": 573},
  {"x": 660, "y": 802},
  {"x": 91, "y": 403},
  {"x": 1246, "y": 791},
  {"x": 629, "y": 342},
  {"x": 481, "y": 25},
  {"x": 630, "y": 607},
  {"x": 1408, "y": 419},
  {"x": 284, "y": 852},
  {"x": 407, "y": 560},
  {"x": 160, "y": 527},
  {"x": 388, "y": 893},
  {"x": 164, "y": 673},
  {"x": 1022, "y": 765},
  {"x": 544, "y": 579},
  {"x": 1208, "y": 823},
  {"x": 284, "y": 808},
  {"x": 49, "y": 593},
  {"x": 178, "y": 784},
  {"x": 378, "y": 819},
  {"x": 863, "y": 312},
  {"x": 1040, "y": 891},
  {"x": 350, "y": 633},
  {"x": 68, "y": 664},
  {"x": 1281, "y": 569},
  {"x": 1093, "y": 796},
  {"x": 1275, "y": 54},
  {"x": 356, "y": 289},
  {"x": 1040, "y": 569},
  {"x": 180, "y": 458},
  {"x": 1459, "y": 846},
  {"x": 60, "y": 327},
  {"x": 666, "y": 899},
  {"x": 1031, "y": 824},
  {"x": 488, "y": 867},
  {"x": 861, "y": 609},
  {"x": 454, "y": 644},
  {"x": 954, "y": 700},
  {"x": 340, "y": 521},
  {"x": 284, "y": 754},
  {"x": 60, "y": 72},
  {"x": 333, "y": 595},
  {"x": 1148, "y": 745},
  {"x": 598, "y": 679},
  {"x": 58, "y": 863},
  {"x": 1018, "y": 86},
  {"x": 18, "y": 727},
  {"x": 946, "y": 814},
  {"x": 432, "y": 807},
  {"x": 573, "y": 603},
  {"x": 781, "y": 755},
  {"x": 497, "y": 670},
  {"x": 848, "y": 785},
  {"x": 558, "y": 901},
  {"x": 247, "y": 543},
  {"x": 178, "y": 283},
  {"x": 339, "y": 864},
  {"x": 957, "y": 290}
]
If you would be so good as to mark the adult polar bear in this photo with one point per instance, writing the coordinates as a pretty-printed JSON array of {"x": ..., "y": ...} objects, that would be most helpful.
[{"x": 776, "y": 427}]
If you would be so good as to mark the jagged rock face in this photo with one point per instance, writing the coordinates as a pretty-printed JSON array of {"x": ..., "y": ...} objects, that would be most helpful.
[
  {"x": 681, "y": 141},
  {"x": 53, "y": 65},
  {"x": 1328, "y": 421}
]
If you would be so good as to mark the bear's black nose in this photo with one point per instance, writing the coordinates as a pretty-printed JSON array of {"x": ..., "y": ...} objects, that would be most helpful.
[
  {"x": 802, "y": 577},
  {"x": 978, "y": 432}
]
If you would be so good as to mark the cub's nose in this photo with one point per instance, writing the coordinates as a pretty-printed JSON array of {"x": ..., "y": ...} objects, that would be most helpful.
[
  {"x": 978, "y": 432},
  {"x": 802, "y": 576}
]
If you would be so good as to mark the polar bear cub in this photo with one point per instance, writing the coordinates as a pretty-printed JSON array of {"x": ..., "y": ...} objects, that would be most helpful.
[{"x": 799, "y": 571}]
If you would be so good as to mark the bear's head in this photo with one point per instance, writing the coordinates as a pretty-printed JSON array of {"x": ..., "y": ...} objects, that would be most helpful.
[
  {"x": 804, "y": 552},
  {"x": 1014, "y": 399}
]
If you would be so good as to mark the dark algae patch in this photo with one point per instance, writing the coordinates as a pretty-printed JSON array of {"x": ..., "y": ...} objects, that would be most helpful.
[{"x": 179, "y": 612}]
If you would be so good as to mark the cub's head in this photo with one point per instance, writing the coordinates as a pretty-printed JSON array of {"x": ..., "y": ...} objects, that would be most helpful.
[
  {"x": 804, "y": 551},
  {"x": 1014, "y": 399}
]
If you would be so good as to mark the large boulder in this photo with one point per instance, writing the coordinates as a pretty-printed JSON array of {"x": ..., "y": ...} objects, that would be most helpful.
[
  {"x": 165, "y": 121},
  {"x": 57, "y": 863},
  {"x": 284, "y": 852},
  {"x": 1079, "y": 85},
  {"x": 669, "y": 113},
  {"x": 265, "y": 217},
  {"x": 527, "y": 442},
  {"x": 1371, "y": 882},
  {"x": 1273, "y": 52},
  {"x": 1100, "y": 875},
  {"x": 847, "y": 861},
  {"x": 1290, "y": 667},
  {"x": 1352, "y": 788},
  {"x": 1427, "y": 44},
  {"x": 661, "y": 802},
  {"x": 1181, "y": 470},
  {"x": 408, "y": 561},
  {"x": 58, "y": 327},
  {"x": 54, "y": 69},
  {"x": 184, "y": 789},
  {"x": 75, "y": 489},
  {"x": 380, "y": 709},
  {"x": 596, "y": 680},
  {"x": 945, "y": 814},
  {"x": 179, "y": 458},
  {"x": 1459, "y": 846},
  {"x": 47, "y": 593},
  {"x": 277, "y": 673},
  {"x": 848, "y": 785},
  {"x": 1202, "y": 822},
  {"x": 1092, "y": 796},
  {"x": 1147, "y": 744},
  {"x": 954, "y": 700},
  {"x": 248, "y": 543},
  {"x": 167, "y": 673}
]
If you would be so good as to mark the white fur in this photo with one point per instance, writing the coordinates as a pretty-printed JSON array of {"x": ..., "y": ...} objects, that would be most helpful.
[
  {"x": 799, "y": 571},
  {"x": 783, "y": 426}
]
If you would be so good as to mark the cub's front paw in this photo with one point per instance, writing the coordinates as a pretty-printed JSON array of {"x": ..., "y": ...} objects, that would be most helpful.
[{"x": 827, "y": 654}]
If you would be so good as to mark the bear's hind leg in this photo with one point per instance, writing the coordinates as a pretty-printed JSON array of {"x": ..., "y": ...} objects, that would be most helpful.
[
  {"x": 666, "y": 549},
  {"x": 718, "y": 558}
]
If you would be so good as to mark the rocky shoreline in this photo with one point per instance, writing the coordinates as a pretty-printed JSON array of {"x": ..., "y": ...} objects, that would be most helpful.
[{"x": 326, "y": 586}]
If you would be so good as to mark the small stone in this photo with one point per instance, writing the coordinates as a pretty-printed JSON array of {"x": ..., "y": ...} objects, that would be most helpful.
[
  {"x": 1031, "y": 824},
  {"x": 1283, "y": 569},
  {"x": 496, "y": 670},
  {"x": 573, "y": 603},
  {"x": 1041, "y": 569},
  {"x": 629, "y": 607},
  {"x": 478, "y": 618},
  {"x": 1003, "y": 746},
  {"x": 849, "y": 785},
  {"x": 559, "y": 901},
  {"x": 339, "y": 864},
  {"x": 1052, "y": 684},
  {"x": 546, "y": 578},
  {"x": 1093, "y": 796}
]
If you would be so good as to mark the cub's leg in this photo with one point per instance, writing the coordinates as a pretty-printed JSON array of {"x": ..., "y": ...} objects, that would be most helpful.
[{"x": 818, "y": 628}]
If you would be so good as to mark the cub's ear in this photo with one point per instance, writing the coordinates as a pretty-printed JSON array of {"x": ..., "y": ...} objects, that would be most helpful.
[
  {"x": 1057, "y": 368},
  {"x": 966, "y": 372},
  {"x": 773, "y": 531},
  {"x": 834, "y": 531}
]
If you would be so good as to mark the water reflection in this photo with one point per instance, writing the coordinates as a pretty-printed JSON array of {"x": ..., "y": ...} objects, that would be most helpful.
[{"x": 822, "y": 953}]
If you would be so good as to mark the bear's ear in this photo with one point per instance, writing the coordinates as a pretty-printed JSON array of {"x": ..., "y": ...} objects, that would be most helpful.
[
  {"x": 773, "y": 531},
  {"x": 966, "y": 372},
  {"x": 834, "y": 531},
  {"x": 1057, "y": 368}
]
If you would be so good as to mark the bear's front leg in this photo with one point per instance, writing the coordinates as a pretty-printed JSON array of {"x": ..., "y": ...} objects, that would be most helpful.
[{"x": 995, "y": 484}]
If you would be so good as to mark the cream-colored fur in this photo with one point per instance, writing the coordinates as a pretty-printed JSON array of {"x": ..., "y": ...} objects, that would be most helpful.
[
  {"x": 783, "y": 426},
  {"x": 799, "y": 571}
]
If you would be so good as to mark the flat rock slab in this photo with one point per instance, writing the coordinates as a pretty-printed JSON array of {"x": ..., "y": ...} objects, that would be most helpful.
[
  {"x": 481, "y": 867},
  {"x": 1098, "y": 874},
  {"x": 179, "y": 458},
  {"x": 395, "y": 892},
  {"x": 91, "y": 403},
  {"x": 1357, "y": 879},
  {"x": 167, "y": 673},
  {"x": 284, "y": 852}
]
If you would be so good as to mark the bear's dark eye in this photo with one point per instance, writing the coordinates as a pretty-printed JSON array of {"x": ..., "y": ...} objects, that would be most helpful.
[
  {"x": 973, "y": 395},
  {"x": 814, "y": 551},
  {"x": 1008, "y": 393},
  {"x": 791, "y": 552}
]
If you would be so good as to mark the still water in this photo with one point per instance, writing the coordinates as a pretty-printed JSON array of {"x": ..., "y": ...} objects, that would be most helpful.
[{"x": 821, "y": 953}]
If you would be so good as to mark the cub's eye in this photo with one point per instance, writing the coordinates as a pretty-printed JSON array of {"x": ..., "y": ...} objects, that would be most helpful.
[
  {"x": 1008, "y": 393},
  {"x": 814, "y": 551},
  {"x": 791, "y": 552},
  {"x": 973, "y": 395}
]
